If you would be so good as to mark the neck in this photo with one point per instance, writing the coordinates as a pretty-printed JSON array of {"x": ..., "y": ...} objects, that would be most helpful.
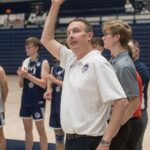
[
  {"x": 83, "y": 52},
  {"x": 34, "y": 57},
  {"x": 117, "y": 50}
]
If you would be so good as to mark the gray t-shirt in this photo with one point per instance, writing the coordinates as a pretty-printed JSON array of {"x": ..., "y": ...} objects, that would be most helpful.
[{"x": 126, "y": 73}]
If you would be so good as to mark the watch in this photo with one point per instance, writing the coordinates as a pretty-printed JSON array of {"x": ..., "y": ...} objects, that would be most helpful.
[{"x": 105, "y": 143}]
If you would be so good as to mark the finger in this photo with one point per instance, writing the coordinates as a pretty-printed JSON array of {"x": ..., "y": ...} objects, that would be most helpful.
[{"x": 51, "y": 70}]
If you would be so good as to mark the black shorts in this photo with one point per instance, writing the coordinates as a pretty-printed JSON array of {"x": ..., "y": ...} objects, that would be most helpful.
[
  {"x": 54, "y": 120},
  {"x": 37, "y": 113}
]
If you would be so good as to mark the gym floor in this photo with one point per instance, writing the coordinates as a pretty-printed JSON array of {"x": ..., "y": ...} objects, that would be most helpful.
[{"x": 14, "y": 127}]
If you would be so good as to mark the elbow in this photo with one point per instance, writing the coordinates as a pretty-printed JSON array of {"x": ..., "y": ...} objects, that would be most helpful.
[
  {"x": 43, "y": 41},
  {"x": 126, "y": 103}
]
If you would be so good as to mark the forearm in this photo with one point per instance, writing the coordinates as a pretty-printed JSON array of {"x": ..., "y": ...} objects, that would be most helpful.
[
  {"x": 37, "y": 81},
  {"x": 58, "y": 82},
  {"x": 48, "y": 33},
  {"x": 49, "y": 86},
  {"x": 115, "y": 119},
  {"x": 132, "y": 107},
  {"x": 21, "y": 82},
  {"x": 49, "y": 27}
]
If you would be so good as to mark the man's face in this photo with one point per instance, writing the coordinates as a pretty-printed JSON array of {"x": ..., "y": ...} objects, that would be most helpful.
[
  {"x": 77, "y": 37},
  {"x": 31, "y": 49}
]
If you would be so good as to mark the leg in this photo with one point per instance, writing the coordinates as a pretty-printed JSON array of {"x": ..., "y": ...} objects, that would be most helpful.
[
  {"x": 2, "y": 140},
  {"x": 59, "y": 135},
  {"x": 144, "y": 119},
  {"x": 135, "y": 134},
  {"x": 28, "y": 125},
  {"x": 42, "y": 134}
]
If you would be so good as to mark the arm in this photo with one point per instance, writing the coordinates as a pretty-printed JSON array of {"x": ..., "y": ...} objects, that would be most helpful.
[
  {"x": 47, "y": 38},
  {"x": 48, "y": 93},
  {"x": 44, "y": 72},
  {"x": 119, "y": 108},
  {"x": 4, "y": 84},
  {"x": 129, "y": 83},
  {"x": 21, "y": 80},
  {"x": 134, "y": 103},
  {"x": 55, "y": 80}
]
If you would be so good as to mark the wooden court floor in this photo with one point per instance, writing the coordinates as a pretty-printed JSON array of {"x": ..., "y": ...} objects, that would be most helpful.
[{"x": 14, "y": 127}]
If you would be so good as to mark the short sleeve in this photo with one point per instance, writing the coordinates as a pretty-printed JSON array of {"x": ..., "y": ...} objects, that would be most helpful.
[
  {"x": 108, "y": 83},
  {"x": 127, "y": 77}
]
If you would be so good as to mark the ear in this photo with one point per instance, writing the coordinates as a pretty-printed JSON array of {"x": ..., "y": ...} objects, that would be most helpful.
[
  {"x": 90, "y": 35},
  {"x": 117, "y": 37}
]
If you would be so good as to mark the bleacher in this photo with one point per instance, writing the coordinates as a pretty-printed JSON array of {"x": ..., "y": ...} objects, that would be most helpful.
[
  {"x": 12, "y": 51},
  {"x": 12, "y": 39}
]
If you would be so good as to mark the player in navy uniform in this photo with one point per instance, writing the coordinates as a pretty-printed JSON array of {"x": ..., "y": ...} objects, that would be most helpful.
[
  {"x": 33, "y": 80},
  {"x": 54, "y": 93}
]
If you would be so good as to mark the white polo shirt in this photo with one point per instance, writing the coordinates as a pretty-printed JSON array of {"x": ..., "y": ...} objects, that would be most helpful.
[{"x": 90, "y": 85}]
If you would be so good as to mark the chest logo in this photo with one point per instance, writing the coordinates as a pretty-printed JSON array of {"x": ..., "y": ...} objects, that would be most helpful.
[{"x": 85, "y": 68}]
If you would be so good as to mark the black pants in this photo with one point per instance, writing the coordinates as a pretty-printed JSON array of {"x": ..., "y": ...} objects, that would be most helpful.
[
  {"x": 83, "y": 143},
  {"x": 120, "y": 140},
  {"x": 144, "y": 119},
  {"x": 135, "y": 134}
]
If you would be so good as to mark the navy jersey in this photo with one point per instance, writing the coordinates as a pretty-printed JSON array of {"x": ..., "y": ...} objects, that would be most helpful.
[
  {"x": 58, "y": 72},
  {"x": 32, "y": 94},
  {"x": 144, "y": 73}
]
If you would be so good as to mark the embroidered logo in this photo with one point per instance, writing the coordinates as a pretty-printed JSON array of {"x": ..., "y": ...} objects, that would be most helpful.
[
  {"x": 37, "y": 115},
  {"x": 31, "y": 85},
  {"x": 38, "y": 64},
  {"x": 85, "y": 68}
]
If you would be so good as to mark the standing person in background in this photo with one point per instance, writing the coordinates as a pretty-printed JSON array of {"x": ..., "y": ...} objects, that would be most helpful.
[
  {"x": 3, "y": 97},
  {"x": 53, "y": 93},
  {"x": 33, "y": 80},
  {"x": 144, "y": 73},
  {"x": 129, "y": 9},
  {"x": 90, "y": 86},
  {"x": 97, "y": 43},
  {"x": 135, "y": 122},
  {"x": 116, "y": 37}
]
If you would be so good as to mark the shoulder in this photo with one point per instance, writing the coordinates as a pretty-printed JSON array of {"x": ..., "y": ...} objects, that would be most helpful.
[
  {"x": 125, "y": 63},
  {"x": 98, "y": 59}
]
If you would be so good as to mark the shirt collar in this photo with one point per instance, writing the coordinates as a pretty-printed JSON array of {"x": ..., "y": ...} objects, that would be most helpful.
[
  {"x": 83, "y": 60},
  {"x": 116, "y": 58}
]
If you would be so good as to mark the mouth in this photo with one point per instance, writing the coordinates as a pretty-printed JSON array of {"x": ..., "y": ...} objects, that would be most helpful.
[{"x": 73, "y": 43}]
